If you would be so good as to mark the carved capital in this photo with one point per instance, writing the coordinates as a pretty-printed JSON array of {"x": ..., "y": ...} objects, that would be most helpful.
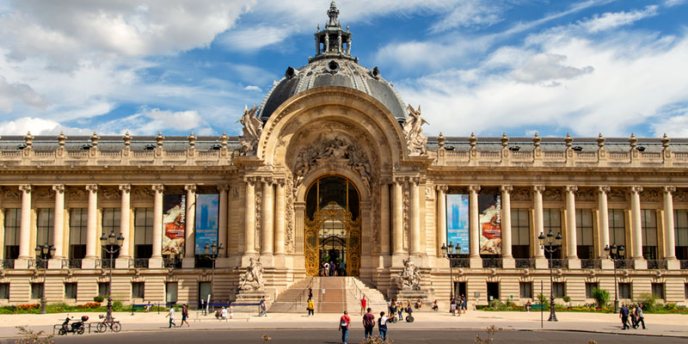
[
  {"x": 603, "y": 189},
  {"x": 223, "y": 187},
  {"x": 538, "y": 188},
  {"x": 506, "y": 188},
  {"x": 25, "y": 188},
  {"x": 125, "y": 188},
  {"x": 669, "y": 189},
  {"x": 442, "y": 188},
  {"x": 280, "y": 182},
  {"x": 93, "y": 188},
  {"x": 59, "y": 188},
  {"x": 158, "y": 188},
  {"x": 250, "y": 180},
  {"x": 571, "y": 188},
  {"x": 190, "y": 187},
  {"x": 636, "y": 189},
  {"x": 267, "y": 181},
  {"x": 474, "y": 188}
]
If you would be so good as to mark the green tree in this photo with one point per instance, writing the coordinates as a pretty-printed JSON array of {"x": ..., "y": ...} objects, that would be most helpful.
[{"x": 601, "y": 297}]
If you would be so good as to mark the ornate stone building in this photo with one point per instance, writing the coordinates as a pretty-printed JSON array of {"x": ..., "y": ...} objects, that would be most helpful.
[{"x": 334, "y": 168}]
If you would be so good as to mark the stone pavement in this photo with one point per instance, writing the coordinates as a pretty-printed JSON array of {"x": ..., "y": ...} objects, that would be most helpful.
[{"x": 658, "y": 324}]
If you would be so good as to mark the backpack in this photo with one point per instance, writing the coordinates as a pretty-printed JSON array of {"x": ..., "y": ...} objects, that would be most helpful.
[{"x": 369, "y": 320}]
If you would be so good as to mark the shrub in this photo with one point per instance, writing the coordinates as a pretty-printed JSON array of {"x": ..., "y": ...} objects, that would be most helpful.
[
  {"x": 91, "y": 305},
  {"x": 117, "y": 306},
  {"x": 542, "y": 299},
  {"x": 99, "y": 298},
  {"x": 27, "y": 306},
  {"x": 601, "y": 297},
  {"x": 649, "y": 302}
]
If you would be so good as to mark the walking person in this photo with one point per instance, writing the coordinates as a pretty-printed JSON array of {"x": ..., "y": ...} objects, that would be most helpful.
[
  {"x": 170, "y": 315},
  {"x": 634, "y": 322},
  {"x": 262, "y": 307},
  {"x": 639, "y": 316},
  {"x": 623, "y": 315},
  {"x": 311, "y": 307},
  {"x": 452, "y": 306},
  {"x": 344, "y": 322},
  {"x": 185, "y": 316},
  {"x": 382, "y": 325},
  {"x": 400, "y": 311},
  {"x": 368, "y": 323},
  {"x": 364, "y": 303}
]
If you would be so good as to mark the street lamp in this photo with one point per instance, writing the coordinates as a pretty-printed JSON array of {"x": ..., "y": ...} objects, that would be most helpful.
[
  {"x": 454, "y": 249},
  {"x": 615, "y": 253},
  {"x": 212, "y": 251},
  {"x": 44, "y": 252},
  {"x": 547, "y": 242},
  {"x": 111, "y": 244}
]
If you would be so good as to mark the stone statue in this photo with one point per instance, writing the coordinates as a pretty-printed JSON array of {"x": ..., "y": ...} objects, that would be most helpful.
[
  {"x": 409, "y": 278},
  {"x": 253, "y": 127},
  {"x": 252, "y": 278},
  {"x": 336, "y": 148},
  {"x": 413, "y": 129}
]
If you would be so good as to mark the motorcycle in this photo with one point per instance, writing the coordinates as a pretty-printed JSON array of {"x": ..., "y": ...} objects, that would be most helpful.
[{"x": 76, "y": 327}]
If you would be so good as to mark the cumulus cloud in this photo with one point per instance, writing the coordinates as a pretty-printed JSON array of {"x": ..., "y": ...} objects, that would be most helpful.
[
  {"x": 469, "y": 13},
  {"x": 10, "y": 93},
  {"x": 612, "y": 20},
  {"x": 152, "y": 121},
  {"x": 37, "y": 126}
]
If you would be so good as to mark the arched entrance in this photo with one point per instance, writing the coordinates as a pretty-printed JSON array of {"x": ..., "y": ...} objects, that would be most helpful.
[{"x": 333, "y": 226}]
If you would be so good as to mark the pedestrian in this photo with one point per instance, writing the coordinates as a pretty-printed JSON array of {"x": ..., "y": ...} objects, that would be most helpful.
[
  {"x": 310, "y": 293},
  {"x": 364, "y": 303},
  {"x": 223, "y": 313},
  {"x": 368, "y": 323},
  {"x": 185, "y": 315},
  {"x": 623, "y": 315},
  {"x": 631, "y": 312},
  {"x": 435, "y": 307},
  {"x": 639, "y": 316},
  {"x": 452, "y": 306},
  {"x": 262, "y": 307},
  {"x": 170, "y": 315},
  {"x": 464, "y": 303},
  {"x": 400, "y": 311},
  {"x": 326, "y": 268},
  {"x": 382, "y": 326},
  {"x": 344, "y": 322},
  {"x": 311, "y": 307}
]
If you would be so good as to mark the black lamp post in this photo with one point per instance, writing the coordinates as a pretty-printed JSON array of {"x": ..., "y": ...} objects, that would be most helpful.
[
  {"x": 44, "y": 252},
  {"x": 615, "y": 253},
  {"x": 111, "y": 243},
  {"x": 212, "y": 251},
  {"x": 547, "y": 243},
  {"x": 451, "y": 252}
]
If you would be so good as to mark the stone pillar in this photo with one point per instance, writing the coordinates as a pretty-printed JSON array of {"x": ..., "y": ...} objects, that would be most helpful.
[
  {"x": 92, "y": 236},
  {"x": 441, "y": 219},
  {"x": 603, "y": 227},
  {"x": 281, "y": 217},
  {"x": 571, "y": 234},
  {"x": 669, "y": 235},
  {"x": 414, "y": 217},
  {"x": 189, "y": 260},
  {"x": 508, "y": 261},
  {"x": 223, "y": 189},
  {"x": 398, "y": 218},
  {"x": 25, "y": 225},
  {"x": 268, "y": 218},
  {"x": 384, "y": 220},
  {"x": 156, "y": 257},
  {"x": 59, "y": 217},
  {"x": 474, "y": 226},
  {"x": 538, "y": 227},
  {"x": 636, "y": 222},
  {"x": 122, "y": 262},
  {"x": 250, "y": 218}
]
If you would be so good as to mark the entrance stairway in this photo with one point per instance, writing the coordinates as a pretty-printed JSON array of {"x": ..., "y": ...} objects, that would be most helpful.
[{"x": 331, "y": 295}]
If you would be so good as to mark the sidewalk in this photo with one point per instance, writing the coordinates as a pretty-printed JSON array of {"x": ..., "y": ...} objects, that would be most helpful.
[{"x": 657, "y": 324}]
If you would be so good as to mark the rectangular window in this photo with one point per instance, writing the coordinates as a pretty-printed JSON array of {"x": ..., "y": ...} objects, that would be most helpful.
[
  {"x": 617, "y": 227},
  {"x": 589, "y": 288},
  {"x": 138, "y": 290},
  {"x": 526, "y": 290},
  {"x": 36, "y": 290},
  {"x": 78, "y": 225},
  {"x": 4, "y": 291},
  {"x": 520, "y": 233},
  {"x": 44, "y": 226},
  {"x": 12, "y": 224},
  {"x": 552, "y": 221},
  {"x": 143, "y": 233},
  {"x": 658, "y": 290},
  {"x": 70, "y": 291},
  {"x": 625, "y": 291},
  {"x": 584, "y": 233},
  {"x": 649, "y": 233},
  {"x": 171, "y": 292},
  {"x": 685, "y": 291},
  {"x": 111, "y": 223},
  {"x": 559, "y": 289},
  {"x": 103, "y": 289},
  {"x": 681, "y": 235}
]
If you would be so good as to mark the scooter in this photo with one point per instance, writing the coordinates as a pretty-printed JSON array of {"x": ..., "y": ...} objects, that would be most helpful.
[{"x": 76, "y": 327}]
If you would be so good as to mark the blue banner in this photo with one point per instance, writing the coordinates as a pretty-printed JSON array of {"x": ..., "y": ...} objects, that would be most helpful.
[
  {"x": 457, "y": 221},
  {"x": 207, "y": 216}
]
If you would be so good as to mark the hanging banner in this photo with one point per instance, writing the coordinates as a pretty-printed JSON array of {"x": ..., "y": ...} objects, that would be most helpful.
[
  {"x": 207, "y": 216},
  {"x": 457, "y": 221},
  {"x": 173, "y": 224},
  {"x": 490, "y": 208}
]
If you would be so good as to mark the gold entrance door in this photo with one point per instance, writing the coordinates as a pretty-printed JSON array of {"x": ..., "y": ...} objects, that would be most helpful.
[{"x": 332, "y": 230}]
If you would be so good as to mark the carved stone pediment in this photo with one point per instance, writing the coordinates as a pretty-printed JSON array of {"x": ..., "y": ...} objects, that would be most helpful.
[
  {"x": 521, "y": 194},
  {"x": 552, "y": 194},
  {"x": 617, "y": 194},
  {"x": 652, "y": 195},
  {"x": 586, "y": 194}
]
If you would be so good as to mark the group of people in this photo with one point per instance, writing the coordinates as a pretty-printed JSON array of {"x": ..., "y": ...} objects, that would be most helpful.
[
  {"x": 397, "y": 309},
  {"x": 635, "y": 313},
  {"x": 369, "y": 323},
  {"x": 458, "y": 305},
  {"x": 185, "y": 316},
  {"x": 333, "y": 269}
]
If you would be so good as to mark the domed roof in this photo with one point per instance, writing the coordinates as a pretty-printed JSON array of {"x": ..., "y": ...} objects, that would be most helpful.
[{"x": 332, "y": 65}]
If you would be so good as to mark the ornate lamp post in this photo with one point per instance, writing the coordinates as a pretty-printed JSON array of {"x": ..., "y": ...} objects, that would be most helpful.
[
  {"x": 615, "y": 253},
  {"x": 451, "y": 252},
  {"x": 212, "y": 251},
  {"x": 111, "y": 243},
  {"x": 547, "y": 242},
  {"x": 44, "y": 252}
]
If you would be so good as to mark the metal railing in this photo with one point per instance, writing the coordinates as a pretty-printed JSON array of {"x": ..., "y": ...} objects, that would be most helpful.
[
  {"x": 106, "y": 263},
  {"x": 524, "y": 263},
  {"x": 657, "y": 264},
  {"x": 138, "y": 263},
  {"x": 7, "y": 263},
  {"x": 559, "y": 263},
  {"x": 460, "y": 262},
  {"x": 73, "y": 263},
  {"x": 172, "y": 262},
  {"x": 684, "y": 264},
  {"x": 492, "y": 263},
  {"x": 623, "y": 263},
  {"x": 591, "y": 264}
]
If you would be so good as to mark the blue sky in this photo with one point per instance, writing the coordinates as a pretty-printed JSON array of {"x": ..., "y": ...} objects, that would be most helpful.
[{"x": 483, "y": 66}]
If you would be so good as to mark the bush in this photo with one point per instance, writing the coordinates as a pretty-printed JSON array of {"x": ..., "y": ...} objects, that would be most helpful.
[
  {"x": 117, "y": 306},
  {"x": 649, "y": 302},
  {"x": 601, "y": 297},
  {"x": 90, "y": 305},
  {"x": 542, "y": 299},
  {"x": 99, "y": 298}
]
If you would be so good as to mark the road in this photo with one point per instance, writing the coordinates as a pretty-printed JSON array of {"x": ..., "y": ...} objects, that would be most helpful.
[{"x": 399, "y": 336}]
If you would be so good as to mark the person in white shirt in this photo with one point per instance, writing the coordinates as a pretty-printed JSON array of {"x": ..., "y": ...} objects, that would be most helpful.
[
  {"x": 171, "y": 316},
  {"x": 223, "y": 315},
  {"x": 382, "y": 325}
]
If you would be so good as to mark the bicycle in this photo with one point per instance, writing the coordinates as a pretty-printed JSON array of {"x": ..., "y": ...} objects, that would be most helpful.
[{"x": 102, "y": 326}]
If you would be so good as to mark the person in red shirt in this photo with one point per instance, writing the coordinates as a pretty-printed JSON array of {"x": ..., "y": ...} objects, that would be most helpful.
[
  {"x": 344, "y": 322},
  {"x": 364, "y": 303}
]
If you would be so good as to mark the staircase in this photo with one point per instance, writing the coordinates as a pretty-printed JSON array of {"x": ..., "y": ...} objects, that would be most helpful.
[{"x": 331, "y": 295}]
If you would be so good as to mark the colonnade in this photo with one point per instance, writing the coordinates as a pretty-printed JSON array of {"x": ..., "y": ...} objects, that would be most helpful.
[{"x": 273, "y": 213}]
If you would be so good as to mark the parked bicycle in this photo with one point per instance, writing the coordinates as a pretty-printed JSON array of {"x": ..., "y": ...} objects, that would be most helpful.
[{"x": 112, "y": 324}]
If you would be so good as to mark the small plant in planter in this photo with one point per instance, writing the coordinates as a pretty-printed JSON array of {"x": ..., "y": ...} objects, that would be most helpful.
[
  {"x": 567, "y": 299},
  {"x": 99, "y": 298},
  {"x": 601, "y": 297}
]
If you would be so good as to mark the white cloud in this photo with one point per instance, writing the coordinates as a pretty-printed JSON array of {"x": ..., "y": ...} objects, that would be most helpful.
[
  {"x": 469, "y": 13},
  {"x": 675, "y": 126},
  {"x": 253, "y": 88},
  {"x": 21, "y": 126},
  {"x": 612, "y": 20},
  {"x": 672, "y": 3},
  {"x": 254, "y": 38},
  {"x": 152, "y": 121},
  {"x": 10, "y": 93}
]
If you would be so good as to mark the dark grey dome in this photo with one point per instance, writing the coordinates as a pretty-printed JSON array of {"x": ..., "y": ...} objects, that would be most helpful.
[{"x": 342, "y": 72}]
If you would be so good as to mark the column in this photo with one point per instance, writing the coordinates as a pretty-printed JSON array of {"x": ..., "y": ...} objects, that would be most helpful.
[
  {"x": 636, "y": 221},
  {"x": 58, "y": 227},
  {"x": 25, "y": 224},
  {"x": 124, "y": 220},
  {"x": 384, "y": 219},
  {"x": 415, "y": 217},
  {"x": 538, "y": 224},
  {"x": 669, "y": 235},
  {"x": 281, "y": 216},
  {"x": 268, "y": 216},
  {"x": 441, "y": 219},
  {"x": 571, "y": 234},
  {"x": 92, "y": 223},
  {"x": 189, "y": 260},
  {"x": 397, "y": 219},
  {"x": 222, "y": 221},
  {"x": 250, "y": 218},
  {"x": 156, "y": 260},
  {"x": 473, "y": 219},
  {"x": 506, "y": 221},
  {"x": 603, "y": 226}
]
